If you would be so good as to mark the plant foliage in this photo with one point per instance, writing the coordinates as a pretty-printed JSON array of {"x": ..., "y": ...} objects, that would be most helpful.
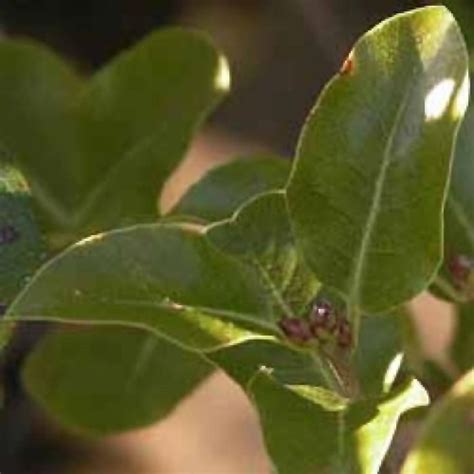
[{"x": 291, "y": 279}]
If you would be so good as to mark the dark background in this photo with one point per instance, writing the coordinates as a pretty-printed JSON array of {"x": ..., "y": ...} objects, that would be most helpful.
[{"x": 281, "y": 51}]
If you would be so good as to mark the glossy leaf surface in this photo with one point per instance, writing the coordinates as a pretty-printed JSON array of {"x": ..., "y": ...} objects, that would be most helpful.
[{"x": 373, "y": 161}]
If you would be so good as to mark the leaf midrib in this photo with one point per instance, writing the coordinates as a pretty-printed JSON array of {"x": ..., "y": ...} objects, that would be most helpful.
[
  {"x": 359, "y": 265},
  {"x": 167, "y": 306}
]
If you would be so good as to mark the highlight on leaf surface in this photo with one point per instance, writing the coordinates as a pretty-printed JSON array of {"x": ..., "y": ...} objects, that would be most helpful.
[{"x": 369, "y": 182}]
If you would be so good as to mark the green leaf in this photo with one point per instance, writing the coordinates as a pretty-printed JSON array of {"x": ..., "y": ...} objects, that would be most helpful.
[
  {"x": 376, "y": 361},
  {"x": 22, "y": 248},
  {"x": 167, "y": 279},
  {"x": 462, "y": 348},
  {"x": 261, "y": 236},
  {"x": 109, "y": 379},
  {"x": 154, "y": 277},
  {"x": 113, "y": 141},
  {"x": 373, "y": 161},
  {"x": 241, "y": 361},
  {"x": 225, "y": 188},
  {"x": 306, "y": 434},
  {"x": 379, "y": 354},
  {"x": 446, "y": 440}
]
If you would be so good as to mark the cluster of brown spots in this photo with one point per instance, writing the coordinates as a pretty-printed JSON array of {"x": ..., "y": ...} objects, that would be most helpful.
[{"x": 324, "y": 324}]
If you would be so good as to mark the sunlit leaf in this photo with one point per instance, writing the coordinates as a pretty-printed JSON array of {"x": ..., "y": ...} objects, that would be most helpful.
[{"x": 373, "y": 161}]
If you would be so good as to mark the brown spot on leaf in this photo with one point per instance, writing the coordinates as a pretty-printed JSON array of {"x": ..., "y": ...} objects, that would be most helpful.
[{"x": 347, "y": 66}]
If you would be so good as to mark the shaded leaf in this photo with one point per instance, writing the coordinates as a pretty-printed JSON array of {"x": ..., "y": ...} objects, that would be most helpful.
[
  {"x": 306, "y": 435},
  {"x": 225, "y": 188},
  {"x": 300, "y": 435},
  {"x": 241, "y": 361},
  {"x": 446, "y": 441},
  {"x": 379, "y": 354},
  {"x": 261, "y": 236},
  {"x": 373, "y": 160},
  {"x": 107, "y": 379},
  {"x": 113, "y": 141}
]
